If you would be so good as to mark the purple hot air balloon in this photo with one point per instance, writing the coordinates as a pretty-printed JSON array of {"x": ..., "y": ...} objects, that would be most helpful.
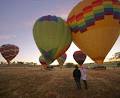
[{"x": 79, "y": 57}]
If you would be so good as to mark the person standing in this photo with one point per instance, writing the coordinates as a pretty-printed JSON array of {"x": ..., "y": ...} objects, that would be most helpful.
[
  {"x": 77, "y": 76},
  {"x": 83, "y": 70}
]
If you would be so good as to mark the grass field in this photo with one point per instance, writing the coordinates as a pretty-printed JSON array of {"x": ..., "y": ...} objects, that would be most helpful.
[{"x": 32, "y": 82}]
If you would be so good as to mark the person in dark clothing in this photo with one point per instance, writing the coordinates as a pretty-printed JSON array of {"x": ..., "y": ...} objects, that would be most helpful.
[{"x": 77, "y": 76}]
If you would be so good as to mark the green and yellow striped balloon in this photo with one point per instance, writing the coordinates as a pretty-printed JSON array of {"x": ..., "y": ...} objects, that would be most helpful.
[{"x": 52, "y": 36}]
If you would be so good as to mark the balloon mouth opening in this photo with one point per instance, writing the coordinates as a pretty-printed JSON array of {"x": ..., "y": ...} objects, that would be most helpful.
[
  {"x": 99, "y": 61},
  {"x": 8, "y": 62}
]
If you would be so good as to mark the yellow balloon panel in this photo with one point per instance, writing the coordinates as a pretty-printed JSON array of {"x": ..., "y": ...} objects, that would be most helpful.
[
  {"x": 95, "y": 26},
  {"x": 96, "y": 41}
]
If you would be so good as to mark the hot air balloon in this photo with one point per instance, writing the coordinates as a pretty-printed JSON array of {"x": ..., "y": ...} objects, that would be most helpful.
[
  {"x": 62, "y": 59},
  {"x": 44, "y": 61},
  {"x": 52, "y": 36},
  {"x": 79, "y": 57},
  {"x": 95, "y": 26},
  {"x": 9, "y": 51}
]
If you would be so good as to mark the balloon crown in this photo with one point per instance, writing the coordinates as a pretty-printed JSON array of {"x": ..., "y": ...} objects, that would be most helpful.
[
  {"x": 49, "y": 18},
  {"x": 94, "y": 12},
  {"x": 9, "y": 46}
]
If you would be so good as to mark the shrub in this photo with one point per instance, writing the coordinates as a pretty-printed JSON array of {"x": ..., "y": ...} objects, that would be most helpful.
[
  {"x": 69, "y": 65},
  {"x": 118, "y": 64}
]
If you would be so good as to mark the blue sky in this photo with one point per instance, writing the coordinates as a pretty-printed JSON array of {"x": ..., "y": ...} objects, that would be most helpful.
[{"x": 17, "y": 18}]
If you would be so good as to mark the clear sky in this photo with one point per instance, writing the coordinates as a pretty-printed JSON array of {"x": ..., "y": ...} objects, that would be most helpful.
[{"x": 17, "y": 18}]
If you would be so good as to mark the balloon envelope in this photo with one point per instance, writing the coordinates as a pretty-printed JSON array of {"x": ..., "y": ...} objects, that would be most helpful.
[
  {"x": 95, "y": 26},
  {"x": 52, "y": 36},
  {"x": 79, "y": 57},
  {"x": 9, "y": 51},
  {"x": 43, "y": 61},
  {"x": 62, "y": 59}
]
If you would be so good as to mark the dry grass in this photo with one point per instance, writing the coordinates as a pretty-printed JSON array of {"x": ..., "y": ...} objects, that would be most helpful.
[{"x": 35, "y": 83}]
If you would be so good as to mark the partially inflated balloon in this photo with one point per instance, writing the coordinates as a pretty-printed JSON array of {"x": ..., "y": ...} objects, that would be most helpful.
[
  {"x": 52, "y": 36},
  {"x": 43, "y": 61},
  {"x": 62, "y": 59},
  {"x": 79, "y": 57},
  {"x": 9, "y": 51},
  {"x": 95, "y": 26}
]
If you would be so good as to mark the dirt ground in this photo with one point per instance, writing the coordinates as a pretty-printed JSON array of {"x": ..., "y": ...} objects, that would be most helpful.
[{"x": 32, "y": 82}]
